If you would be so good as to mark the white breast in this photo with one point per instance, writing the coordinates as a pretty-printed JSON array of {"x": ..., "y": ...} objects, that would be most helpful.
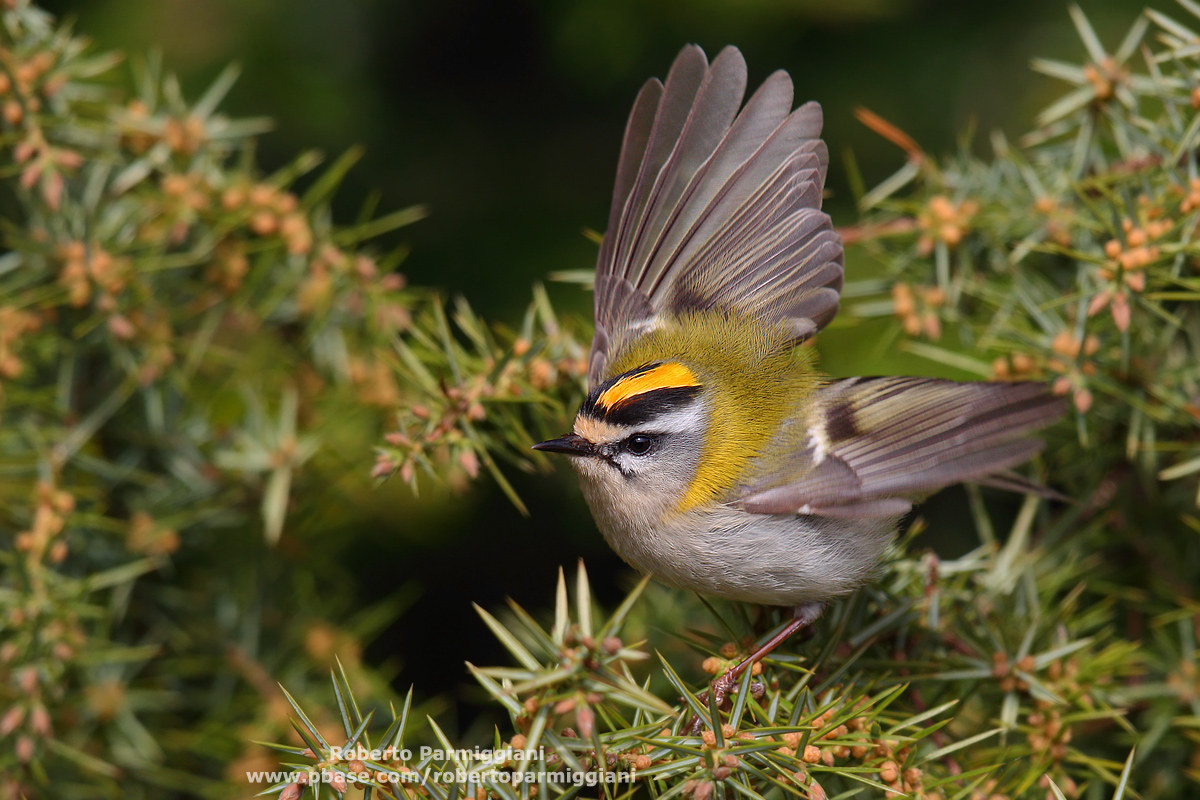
[{"x": 770, "y": 559}]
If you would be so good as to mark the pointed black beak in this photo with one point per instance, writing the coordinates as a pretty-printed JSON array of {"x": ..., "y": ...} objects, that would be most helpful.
[{"x": 571, "y": 444}]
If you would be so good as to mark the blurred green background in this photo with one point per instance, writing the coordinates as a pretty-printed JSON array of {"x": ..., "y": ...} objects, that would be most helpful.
[{"x": 505, "y": 118}]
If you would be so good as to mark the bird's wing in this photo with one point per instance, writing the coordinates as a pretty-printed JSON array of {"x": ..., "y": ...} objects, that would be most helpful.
[
  {"x": 716, "y": 209},
  {"x": 869, "y": 447}
]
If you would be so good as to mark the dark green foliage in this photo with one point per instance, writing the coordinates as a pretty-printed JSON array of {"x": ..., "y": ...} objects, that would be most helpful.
[{"x": 188, "y": 351}]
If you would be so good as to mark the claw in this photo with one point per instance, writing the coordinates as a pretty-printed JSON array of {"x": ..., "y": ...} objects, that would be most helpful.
[
  {"x": 805, "y": 615},
  {"x": 719, "y": 690}
]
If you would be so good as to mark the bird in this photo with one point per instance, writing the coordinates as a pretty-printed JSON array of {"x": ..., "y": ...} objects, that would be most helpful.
[{"x": 713, "y": 454}]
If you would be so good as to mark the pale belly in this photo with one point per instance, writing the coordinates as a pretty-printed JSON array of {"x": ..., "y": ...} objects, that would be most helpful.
[{"x": 770, "y": 559}]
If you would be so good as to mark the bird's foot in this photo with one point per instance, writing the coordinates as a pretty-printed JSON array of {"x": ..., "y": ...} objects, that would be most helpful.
[
  {"x": 804, "y": 615},
  {"x": 720, "y": 690}
]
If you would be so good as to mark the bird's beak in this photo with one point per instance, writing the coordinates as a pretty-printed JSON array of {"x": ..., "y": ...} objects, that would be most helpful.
[{"x": 571, "y": 444}]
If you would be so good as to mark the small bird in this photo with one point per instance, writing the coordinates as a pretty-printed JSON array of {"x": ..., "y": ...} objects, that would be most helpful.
[{"x": 711, "y": 452}]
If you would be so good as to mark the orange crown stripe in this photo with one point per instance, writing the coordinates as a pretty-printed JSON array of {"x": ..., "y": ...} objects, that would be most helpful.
[{"x": 671, "y": 375}]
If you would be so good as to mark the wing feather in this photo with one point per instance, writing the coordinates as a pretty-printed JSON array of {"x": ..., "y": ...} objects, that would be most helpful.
[
  {"x": 715, "y": 208},
  {"x": 764, "y": 112},
  {"x": 679, "y": 92},
  {"x": 715, "y": 106},
  {"x": 633, "y": 146},
  {"x": 870, "y": 440}
]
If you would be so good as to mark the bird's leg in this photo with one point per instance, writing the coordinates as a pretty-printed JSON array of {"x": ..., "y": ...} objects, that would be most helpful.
[{"x": 804, "y": 615}]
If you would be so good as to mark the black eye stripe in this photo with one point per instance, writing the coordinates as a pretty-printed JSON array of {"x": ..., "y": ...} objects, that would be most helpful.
[{"x": 645, "y": 407}]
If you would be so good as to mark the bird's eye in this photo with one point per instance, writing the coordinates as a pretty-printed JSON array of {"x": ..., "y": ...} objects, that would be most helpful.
[{"x": 639, "y": 444}]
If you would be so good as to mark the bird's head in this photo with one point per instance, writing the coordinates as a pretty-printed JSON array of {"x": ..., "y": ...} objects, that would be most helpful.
[
  {"x": 638, "y": 436},
  {"x": 691, "y": 405}
]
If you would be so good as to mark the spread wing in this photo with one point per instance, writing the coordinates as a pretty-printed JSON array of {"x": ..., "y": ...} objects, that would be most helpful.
[
  {"x": 871, "y": 446},
  {"x": 716, "y": 209}
]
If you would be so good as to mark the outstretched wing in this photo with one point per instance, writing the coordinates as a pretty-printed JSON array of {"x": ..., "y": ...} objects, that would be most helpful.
[
  {"x": 869, "y": 447},
  {"x": 716, "y": 209}
]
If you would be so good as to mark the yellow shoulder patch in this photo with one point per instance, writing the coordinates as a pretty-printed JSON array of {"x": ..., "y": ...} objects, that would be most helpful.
[{"x": 671, "y": 375}]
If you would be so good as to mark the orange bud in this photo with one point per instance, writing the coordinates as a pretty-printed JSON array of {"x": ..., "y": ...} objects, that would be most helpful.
[
  {"x": 1098, "y": 302},
  {"x": 941, "y": 208},
  {"x": 585, "y": 720},
  {"x": 1121, "y": 312}
]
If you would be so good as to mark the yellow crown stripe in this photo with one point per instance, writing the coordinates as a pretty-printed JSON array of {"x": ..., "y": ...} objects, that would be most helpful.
[{"x": 671, "y": 375}]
